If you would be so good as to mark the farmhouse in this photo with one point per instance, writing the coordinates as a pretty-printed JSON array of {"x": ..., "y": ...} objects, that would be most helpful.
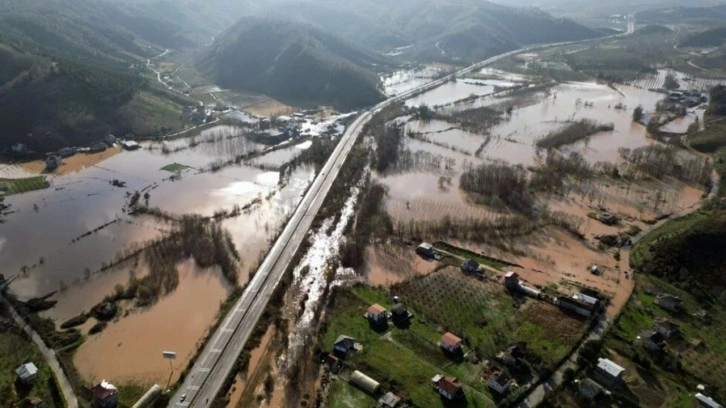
[
  {"x": 707, "y": 402},
  {"x": 500, "y": 382},
  {"x": 52, "y": 163},
  {"x": 590, "y": 389},
  {"x": 450, "y": 342},
  {"x": 448, "y": 387},
  {"x": 471, "y": 266},
  {"x": 511, "y": 281},
  {"x": 27, "y": 373},
  {"x": 344, "y": 345},
  {"x": 364, "y": 382},
  {"x": 390, "y": 400},
  {"x": 668, "y": 302},
  {"x": 400, "y": 314},
  {"x": 574, "y": 305},
  {"x": 667, "y": 328},
  {"x": 653, "y": 341},
  {"x": 66, "y": 152},
  {"x": 333, "y": 363},
  {"x": 608, "y": 373},
  {"x": 130, "y": 145},
  {"x": 376, "y": 314},
  {"x": 426, "y": 250},
  {"x": 105, "y": 395},
  {"x": 97, "y": 147}
]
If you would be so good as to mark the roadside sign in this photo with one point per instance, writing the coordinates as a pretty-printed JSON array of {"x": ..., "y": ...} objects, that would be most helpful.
[{"x": 171, "y": 355}]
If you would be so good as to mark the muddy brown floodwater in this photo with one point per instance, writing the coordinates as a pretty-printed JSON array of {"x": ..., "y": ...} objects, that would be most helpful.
[{"x": 129, "y": 350}]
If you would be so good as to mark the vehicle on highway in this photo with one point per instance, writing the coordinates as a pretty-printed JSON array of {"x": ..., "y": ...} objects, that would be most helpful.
[{"x": 183, "y": 397}]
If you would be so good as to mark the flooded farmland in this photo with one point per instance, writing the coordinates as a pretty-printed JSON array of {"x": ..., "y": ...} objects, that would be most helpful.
[{"x": 63, "y": 239}]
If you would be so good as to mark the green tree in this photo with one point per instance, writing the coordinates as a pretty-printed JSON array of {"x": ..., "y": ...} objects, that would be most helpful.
[
  {"x": 638, "y": 113},
  {"x": 671, "y": 82}
]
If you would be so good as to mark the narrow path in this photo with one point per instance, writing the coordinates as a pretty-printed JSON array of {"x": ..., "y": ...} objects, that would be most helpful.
[{"x": 49, "y": 354}]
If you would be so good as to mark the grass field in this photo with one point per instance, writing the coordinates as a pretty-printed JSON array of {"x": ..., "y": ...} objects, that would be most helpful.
[
  {"x": 147, "y": 112},
  {"x": 345, "y": 395},
  {"x": 403, "y": 359},
  {"x": 23, "y": 185},
  {"x": 702, "y": 364},
  {"x": 14, "y": 351},
  {"x": 175, "y": 168},
  {"x": 466, "y": 254}
]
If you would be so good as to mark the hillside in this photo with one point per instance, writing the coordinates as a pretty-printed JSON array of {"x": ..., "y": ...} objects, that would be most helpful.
[
  {"x": 69, "y": 67},
  {"x": 433, "y": 30},
  {"x": 689, "y": 250},
  {"x": 713, "y": 37},
  {"x": 296, "y": 63}
]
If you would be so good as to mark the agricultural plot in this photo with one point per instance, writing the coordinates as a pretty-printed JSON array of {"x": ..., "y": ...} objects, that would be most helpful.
[
  {"x": 403, "y": 359},
  {"x": 482, "y": 313},
  {"x": 15, "y": 350},
  {"x": 697, "y": 354},
  {"x": 390, "y": 355},
  {"x": 147, "y": 112},
  {"x": 23, "y": 185}
]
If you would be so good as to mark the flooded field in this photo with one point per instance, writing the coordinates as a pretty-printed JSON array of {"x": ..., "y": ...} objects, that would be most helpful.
[
  {"x": 48, "y": 237},
  {"x": 406, "y": 80},
  {"x": 685, "y": 81},
  {"x": 460, "y": 89},
  {"x": 129, "y": 350}
]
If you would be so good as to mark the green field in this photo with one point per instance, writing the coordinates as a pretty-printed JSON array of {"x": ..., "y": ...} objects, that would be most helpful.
[
  {"x": 151, "y": 110},
  {"x": 23, "y": 185},
  {"x": 175, "y": 168},
  {"x": 466, "y": 254},
  {"x": 403, "y": 359},
  {"x": 14, "y": 351},
  {"x": 703, "y": 363}
]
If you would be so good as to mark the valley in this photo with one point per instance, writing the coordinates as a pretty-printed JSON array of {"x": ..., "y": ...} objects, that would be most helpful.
[{"x": 305, "y": 206}]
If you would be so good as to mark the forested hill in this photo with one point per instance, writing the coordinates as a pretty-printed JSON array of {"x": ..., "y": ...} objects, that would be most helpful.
[
  {"x": 293, "y": 62},
  {"x": 68, "y": 67},
  {"x": 464, "y": 30}
]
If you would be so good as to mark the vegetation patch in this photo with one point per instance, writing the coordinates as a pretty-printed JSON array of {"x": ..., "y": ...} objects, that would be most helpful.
[
  {"x": 23, "y": 185},
  {"x": 175, "y": 168},
  {"x": 17, "y": 349},
  {"x": 573, "y": 132}
]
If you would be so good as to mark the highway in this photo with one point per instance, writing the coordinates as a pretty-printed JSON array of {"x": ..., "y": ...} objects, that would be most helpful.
[{"x": 216, "y": 360}]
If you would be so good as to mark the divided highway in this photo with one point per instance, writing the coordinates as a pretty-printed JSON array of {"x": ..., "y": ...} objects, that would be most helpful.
[{"x": 215, "y": 362}]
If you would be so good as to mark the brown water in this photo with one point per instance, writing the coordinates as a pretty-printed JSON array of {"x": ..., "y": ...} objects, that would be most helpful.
[
  {"x": 129, "y": 350},
  {"x": 47, "y": 223}
]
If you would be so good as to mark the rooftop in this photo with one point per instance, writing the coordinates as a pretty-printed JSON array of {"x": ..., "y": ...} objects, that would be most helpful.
[
  {"x": 707, "y": 401},
  {"x": 26, "y": 370},
  {"x": 376, "y": 309},
  {"x": 449, "y": 384},
  {"x": 450, "y": 339},
  {"x": 609, "y": 367}
]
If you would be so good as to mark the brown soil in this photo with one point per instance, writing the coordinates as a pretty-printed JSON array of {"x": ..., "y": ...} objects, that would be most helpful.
[
  {"x": 241, "y": 382},
  {"x": 389, "y": 264},
  {"x": 269, "y": 107},
  {"x": 74, "y": 163}
]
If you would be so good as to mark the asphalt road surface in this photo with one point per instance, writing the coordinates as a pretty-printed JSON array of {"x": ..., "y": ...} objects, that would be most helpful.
[{"x": 215, "y": 362}]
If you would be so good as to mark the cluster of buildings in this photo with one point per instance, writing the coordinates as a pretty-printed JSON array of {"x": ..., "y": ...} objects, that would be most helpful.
[
  {"x": 586, "y": 303},
  {"x": 104, "y": 394},
  {"x": 688, "y": 99},
  {"x": 55, "y": 159}
]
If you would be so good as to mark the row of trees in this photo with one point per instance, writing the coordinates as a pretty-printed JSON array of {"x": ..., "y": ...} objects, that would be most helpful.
[
  {"x": 573, "y": 132},
  {"x": 499, "y": 184},
  {"x": 664, "y": 161}
]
